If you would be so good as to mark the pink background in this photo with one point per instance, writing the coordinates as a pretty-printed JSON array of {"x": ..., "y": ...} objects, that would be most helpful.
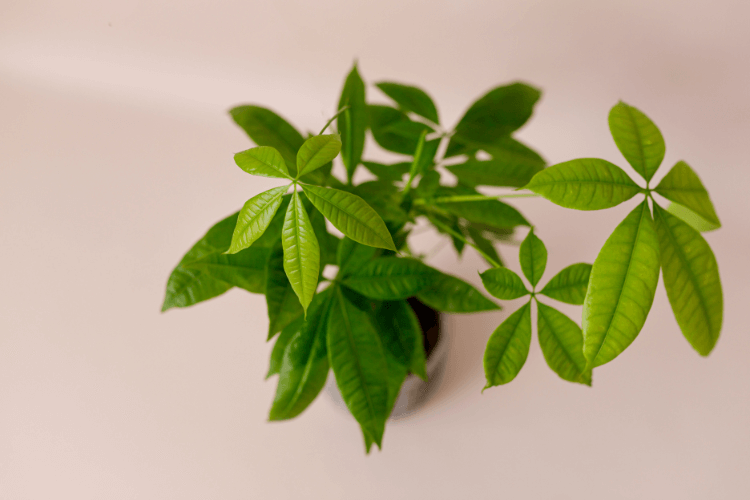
[{"x": 116, "y": 155}]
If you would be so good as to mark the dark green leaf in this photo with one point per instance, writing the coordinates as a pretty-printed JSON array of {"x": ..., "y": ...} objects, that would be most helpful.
[
  {"x": 561, "y": 341},
  {"x": 352, "y": 256},
  {"x": 394, "y": 131},
  {"x": 428, "y": 184},
  {"x": 569, "y": 285},
  {"x": 388, "y": 173},
  {"x": 401, "y": 335},
  {"x": 396, "y": 376},
  {"x": 359, "y": 364},
  {"x": 277, "y": 353},
  {"x": 351, "y": 215},
  {"x": 691, "y": 277},
  {"x": 328, "y": 243},
  {"x": 266, "y": 128},
  {"x": 584, "y": 184},
  {"x": 255, "y": 217},
  {"x": 352, "y": 123},
  {"x": 283, "y": 304},
  {"x": 317, "y": 151},
  {"x": 507, "y": 167},
  {"x": 489, "y": 212},
  {"x": 246, "y": 269},
  {"x": 533, "y": 257},
  {"x": 621, "y": 288},
  {"x": 390, "y": 278},
  {"x": 485, "y": 245},
  {"x": 682, "y": 185},
  {"x": 508, "y": 348},
  {"x": 301, "y": 251},
  {"x": 383, "y": 197},
  {"x": 304, "y": 367},
  {"x": 450, "y": 294},
  {"x": 264, "y": 161},
  {"x": 411, "y": 99},
  {"x": 503, "y": 283},
  {"x": 637, "y": 138}
]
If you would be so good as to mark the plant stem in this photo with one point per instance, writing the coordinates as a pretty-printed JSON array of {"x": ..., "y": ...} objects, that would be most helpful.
[
  {"x": 474, "y": 197},
  {"x": 333, "y": 118},
  {"x": 461, "y": 237}
]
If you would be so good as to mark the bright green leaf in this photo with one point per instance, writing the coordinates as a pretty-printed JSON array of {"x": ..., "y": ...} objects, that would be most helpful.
[
  {"x": 569, "y": 285},
  {"x": 411, "y": 99},
  {"x": 561, "y": 341},
  {"x": 693, "y": 220},
  {"x": 637, "y": 138},
  {"x": 281, "y": 301},
  {"x": 621, "y": 288},
  {"x": 401, "y": 335},
  {"x": 301, "y": 251},
  {"x": 508, "y": 348},
  {"x": 691, "y": 277},
  {"x": 264, "y": 161},
  {"x": 277, "y": 353},
  {"x": 351, "y": 215},
  {"x": 682, "y": 185},
  {"x": 352, "y": 123},
  {"x": 584, "y": 184},
  {"x": 391, "y": 278},
  {"x": 255, "y": 217},
  {"x": 533, "y": 257},
  {"x": 450, "y": 294},
  {"x": 266, "y": 128},
  {"x": 503, "y": 283},
  {"x": 246, "y": 269},
  {"x": 316, "y": 152}
]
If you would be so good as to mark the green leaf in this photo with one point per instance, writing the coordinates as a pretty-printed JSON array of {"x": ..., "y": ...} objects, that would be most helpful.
[
  {"x": 503, "y": 283},
  {"x": 277, "y": 353},
  {"x": 264, "y": 161},
  {"x": 490, "y": 212},
  {"x": 359, "y": 364},
  {"x": 351, "y": 215},
  {"x": 352, "y": 256},
  {"x": 401, "y": 335},
  {"x": 450, "y": 294},
  {"x": 328, "y": 243},
  {"x": 682, "y": 185},
  {"x": 569, "y": 285},
  {"x": 394, "y": 131},
  {"x": 496, "y": 114},
  {"x": 533, "y": 257},
  {"x": 301, "y": 252},
  {"x": 390, "y": 278},
  {"x": 316, "y": 152},
  {"x": 246, "y": 269},
  {"x": 389, "y": 173},
  {"x": 396, "y": 376},
  {"x": 255, "y": 217},
  {"x": 428, "y": 184},
  {"x": 508, "y": 348},
  {"x": 637, "y": 138},
  {"x": 281, "y": 301},
  {"x": 506, "y": 168},
  {"x": 584, "y": 184},
  {"x": 266, "y": 128},
  {"x": 304, "y": 367},
  {"x": 352, "y": 123},
  {"x": 187, "y": 286},
  {"x": 411, "y": 99},
  {"x": 383, "y": 197},
  {"x": 561, "y": 341},
  {"x": 621, "y": 288},
  {"x": 484, "y": 244},
  {"x": 694, "y": 220},
  {"x": 691, "y": 277}
]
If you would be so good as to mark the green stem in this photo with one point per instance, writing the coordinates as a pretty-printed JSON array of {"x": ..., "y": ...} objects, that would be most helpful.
[
  {"x": 415, "y": 164},
  {"x": 461, "y": 237},
  {"x": 333, "y": 118},
  {"x": 473, "y": 197}
]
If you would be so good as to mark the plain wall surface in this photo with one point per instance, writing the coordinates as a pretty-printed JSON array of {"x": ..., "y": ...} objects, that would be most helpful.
[{"x": 116, "y": 155}]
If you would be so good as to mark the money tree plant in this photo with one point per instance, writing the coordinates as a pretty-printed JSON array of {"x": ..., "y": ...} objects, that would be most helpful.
[{"x": 360, "y": 324}]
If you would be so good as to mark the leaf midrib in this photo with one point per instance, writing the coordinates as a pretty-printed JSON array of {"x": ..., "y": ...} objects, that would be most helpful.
[{"x": 367, "y": 228}]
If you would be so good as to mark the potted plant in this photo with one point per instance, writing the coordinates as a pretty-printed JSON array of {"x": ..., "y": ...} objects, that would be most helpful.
[{"x": 361, "y": 323}]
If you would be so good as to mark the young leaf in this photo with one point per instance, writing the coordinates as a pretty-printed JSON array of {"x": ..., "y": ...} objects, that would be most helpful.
[
  {"x": 682, "y": 185},
  {"x": 484, "y": 244},
  {"x": 569, "y": 285},
  {"x": 281, "y": 301},
  {"x": 352, "y": 123},
  {"x": 304, "y": 367},
  {"x": 450, "y": 294},
  {"x": 390, "y": 278},
  {"x": 508, "y": 348},
  {"x": 266, "y": 128},
  {"x": 496, "y": 114},
  {"x": 621, "y": 288},
  {"x": 691, "y": 277},
  {"x": 351, "y": 215},
  {"x": 533, "y": 257},
  {"x": 637, "y": 138},
  {"x": 186, "y": 286},
  {"x": 584, "y": 184},
  {"x": 411, "y": 99},
  {"x": 301, "y": 252},
  {"x": 277, "y": 353},
  {"x": 561, "y": 341},
  {"x": 359, "y": 364},
  {"x": 401, "y": 335},
  {"x": 264, "y": 161},
  {"x": 316, "y": 152},
  {"x": 510, "y": 169},
  {"x": 255, "y": 217},
  {"x": 246, "y": 270},
  {"x": 503, "y": 283}
]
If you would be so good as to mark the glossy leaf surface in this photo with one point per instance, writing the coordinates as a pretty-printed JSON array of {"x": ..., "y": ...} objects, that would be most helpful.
[
  {"x": 621, "y": 288},
  {"x": 450, "y": 294},
  {"x": 691, "y": 277},
  {"x": 351, "y": 215},
  {"x": 584, "y": 184},
  {"x": 264, "y": 161},
  {"x": 316, "y": 152},
  {"x": 503, "y": 283},
  {"x": 561, "y": 341},
  {"x": 281, "y": 301},
  {"x": 401, "y": 334},
  {"x": 508, "y": 348},
  {"x": 352, "y": 123},
  {"x": 569, "y": 285},
  {"x": 266, "y": 128},
  {"x": 411, "y": 99},
  {"x": 255, "y": 217},
  {"x": 637, "y": 138},
  {"x": 301, "y": 251},
  {"x": 533, "y": 257},
  {"x": 391, "y": 278},
  {"x": 682, "y": 185}
]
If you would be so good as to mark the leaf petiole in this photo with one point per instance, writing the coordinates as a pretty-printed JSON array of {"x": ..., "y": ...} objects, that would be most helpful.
[{"x": 328, "y": 123}]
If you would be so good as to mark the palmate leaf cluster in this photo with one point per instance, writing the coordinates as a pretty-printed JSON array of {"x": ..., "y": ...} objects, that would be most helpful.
[{"x": 360, "y": 323}]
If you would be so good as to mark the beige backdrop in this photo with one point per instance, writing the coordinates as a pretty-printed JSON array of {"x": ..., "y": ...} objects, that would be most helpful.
[{"x": 116, "y": 154}]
